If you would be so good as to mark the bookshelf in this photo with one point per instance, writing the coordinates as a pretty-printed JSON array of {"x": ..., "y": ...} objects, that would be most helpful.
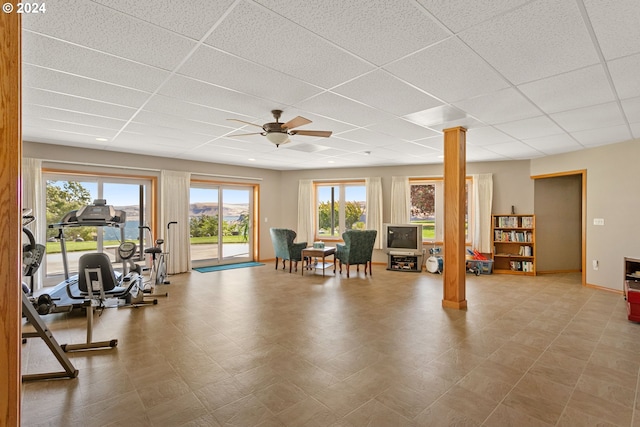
[{"x": 514, "y": 240}]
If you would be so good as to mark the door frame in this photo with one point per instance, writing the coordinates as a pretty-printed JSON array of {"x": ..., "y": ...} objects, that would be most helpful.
[
  {"x": 583, "y": 174},
  {"x": 253, "y": 210}
]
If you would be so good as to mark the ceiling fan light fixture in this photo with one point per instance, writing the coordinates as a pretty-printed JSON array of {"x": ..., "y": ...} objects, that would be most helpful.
[{"x": 277, "y": 138}]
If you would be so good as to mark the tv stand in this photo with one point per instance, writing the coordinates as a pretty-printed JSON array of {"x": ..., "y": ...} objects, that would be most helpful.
[{"x": 405, "y": 261}]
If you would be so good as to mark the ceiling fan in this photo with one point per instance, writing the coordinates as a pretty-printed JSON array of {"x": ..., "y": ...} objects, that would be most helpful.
[{"x": 278, "y": 133}]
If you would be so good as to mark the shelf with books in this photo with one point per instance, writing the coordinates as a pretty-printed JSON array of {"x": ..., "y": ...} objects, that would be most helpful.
[{"x": 514, "y": 244}]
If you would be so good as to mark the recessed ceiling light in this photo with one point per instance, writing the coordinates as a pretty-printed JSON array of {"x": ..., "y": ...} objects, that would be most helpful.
[
  {"x": 441, "y": 157},
  {"x": 331, "y": 161},
  {"x": 102, "y": 139},
  {"x": 252, "y": 160}
]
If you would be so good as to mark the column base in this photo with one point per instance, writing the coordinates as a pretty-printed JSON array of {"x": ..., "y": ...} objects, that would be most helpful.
[{"x": 458, "y": 305}]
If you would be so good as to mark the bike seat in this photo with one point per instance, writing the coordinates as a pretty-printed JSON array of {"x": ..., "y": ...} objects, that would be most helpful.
[{"x": 153, "y": 251}]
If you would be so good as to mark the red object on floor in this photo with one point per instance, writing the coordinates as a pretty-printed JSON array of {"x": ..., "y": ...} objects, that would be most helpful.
[{"x": 633, "y": 304}]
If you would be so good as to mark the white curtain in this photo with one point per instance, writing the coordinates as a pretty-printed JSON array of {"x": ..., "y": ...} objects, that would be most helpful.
[
  {"x": 400, "y": 200},
  {"x": 374, "y": 208},
  {"x": 33, "y": 198},
  {"x": 482, "y": 203},
  {"x": 305, "y": 231},
  {"x": 175, "y": 189}
]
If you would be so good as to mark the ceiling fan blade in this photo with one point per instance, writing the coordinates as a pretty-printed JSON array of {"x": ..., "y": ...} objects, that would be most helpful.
[
  {"x": 295, "y": 122},
  {"x": 322, "y": 133},
  {"x": 244, "y": 134},
  {"x": 246, "y": 123}
]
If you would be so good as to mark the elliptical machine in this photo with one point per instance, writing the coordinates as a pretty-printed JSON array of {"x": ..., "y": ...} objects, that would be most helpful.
[{"x": 158, "y": 273}]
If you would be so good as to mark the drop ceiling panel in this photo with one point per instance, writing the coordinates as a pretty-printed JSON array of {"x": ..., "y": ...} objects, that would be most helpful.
[
  {"x": 554, "y": 144},
  {"x": 346, "y": 144},
  {"x": 90, "y": 132},
  {"x": 615, "y": 23},
  {"x": 530, "y": 128},
  {"x": 185, "y": 125},
  {"x": 70, "y": 58},
  {"x": 235, "y": 73},
  {"x": 41, "y": 78},
  {"x": 514, "y": 150},
  {"x": 197, "y": 92},
  {"x": 254, "y": 33},
  {"x": 42, "y": 134},
  {"x": 171, "y": 136},
  {"x": 192, "y": 18},
  {"x": 99, "y": 27},
  {"x": 538, "y": 40},
  {"x": 631, "y": 109},
  {"x": 603, "y": 136},
  {"x": 178, "y": 108},
  {"x": 72, "y": 103},
  {"x": 487, "y": 136},
  {"x": 403, "y": 129},
  {"x": 257, "y": 145},
  {"x": 339, "y": 108},
  {"x": 480, "y": 154},
  {"x": 368, "y": 137},
  {"x": 391, "y": 94},
  {"x": 368, "y": 28},
  {"x": 460, "y": 14},
  {"x": 604, "y": 115},
  {"x": 624, "y": 72},
  {"x": 48, "y": 113},
  {"x": 575, "y": 89},
  {"x": 149, "y": 141},
  {"x": 434, "y": 144},
  {"x": 443, "y": 71},
  {"x": 499, "y": 107}
]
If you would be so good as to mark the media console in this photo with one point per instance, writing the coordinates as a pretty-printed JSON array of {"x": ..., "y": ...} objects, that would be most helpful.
[{"x": 405, "y": 261}]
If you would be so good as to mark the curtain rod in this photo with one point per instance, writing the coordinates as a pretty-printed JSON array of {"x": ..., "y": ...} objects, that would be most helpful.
[{"x": 137, "y": 168}]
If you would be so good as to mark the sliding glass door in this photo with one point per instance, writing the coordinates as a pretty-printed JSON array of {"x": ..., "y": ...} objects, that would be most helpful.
[
  {"x": 220, "y": 224},
  {"x": 68, "y": 192}
]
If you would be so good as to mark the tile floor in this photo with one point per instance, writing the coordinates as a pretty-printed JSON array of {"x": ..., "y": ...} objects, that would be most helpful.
[{"x": 259, "y": 347}]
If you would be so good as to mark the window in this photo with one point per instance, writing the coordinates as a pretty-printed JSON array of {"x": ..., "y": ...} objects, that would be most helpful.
[
  {"x": 339, "y": 207},
  {"x": 427, "y": 207},
  {"x": 66, "y": 192}
]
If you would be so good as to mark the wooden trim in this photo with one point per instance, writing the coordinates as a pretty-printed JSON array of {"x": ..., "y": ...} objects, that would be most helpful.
[
  {"x": 256, "y": 221},
  {"x": 583, "y": 173},
  {"x": 10, "y": 218},
  {"x": 558, "y": 271},
  {"x": 602, "y": 288}
]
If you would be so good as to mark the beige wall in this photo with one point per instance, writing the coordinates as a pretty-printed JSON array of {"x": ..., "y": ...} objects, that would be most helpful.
[
  {"x": 512, "y": 186},
  {"x": 279, "y": 190},
  {"x": 613, "y": 185},
  {"x": 613, "y": 193}
]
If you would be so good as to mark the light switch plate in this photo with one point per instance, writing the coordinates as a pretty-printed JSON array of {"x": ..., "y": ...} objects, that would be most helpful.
[{"x": 598, "y": 221}]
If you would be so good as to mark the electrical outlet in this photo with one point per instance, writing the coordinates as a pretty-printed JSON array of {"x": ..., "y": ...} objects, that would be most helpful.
[
  {"x": 265, "y": 219},
  {"x": 595, "y": 264},
  {"x": 598, "y": 221}
]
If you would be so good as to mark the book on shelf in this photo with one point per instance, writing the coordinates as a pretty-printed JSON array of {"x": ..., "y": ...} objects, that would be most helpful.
[
  {"x": 514, "y": 222},
  {"x": 525, "y": 251},
  {"x": 513, "y": 236}
]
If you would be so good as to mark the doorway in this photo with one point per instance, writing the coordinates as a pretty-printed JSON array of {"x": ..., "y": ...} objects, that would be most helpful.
[
  {"x": 559, "y": 204},
  {"x": 221, "y": 224}
]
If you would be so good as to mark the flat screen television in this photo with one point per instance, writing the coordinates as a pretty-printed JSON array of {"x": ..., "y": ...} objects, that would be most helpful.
[{"x": 403, "y": 237}]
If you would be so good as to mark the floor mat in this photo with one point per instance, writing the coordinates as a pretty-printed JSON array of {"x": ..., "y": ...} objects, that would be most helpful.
[{"x": 227, "y": 267}]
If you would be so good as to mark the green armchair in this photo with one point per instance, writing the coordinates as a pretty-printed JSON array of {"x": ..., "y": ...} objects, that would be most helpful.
[
  {"x": 284, "y": 247},
  {"x": 357, "y": 249}
]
